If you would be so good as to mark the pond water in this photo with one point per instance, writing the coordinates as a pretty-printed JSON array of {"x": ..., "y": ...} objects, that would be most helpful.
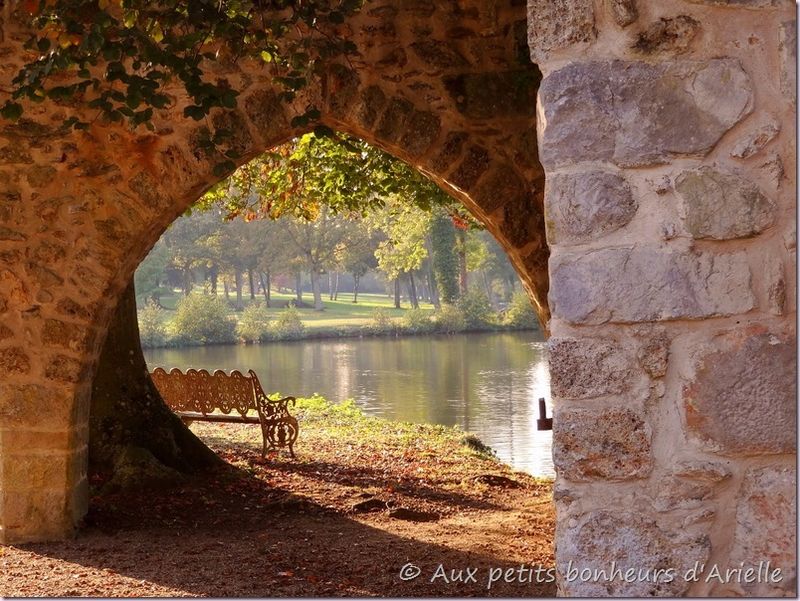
[{"x": 488, "y": 384}]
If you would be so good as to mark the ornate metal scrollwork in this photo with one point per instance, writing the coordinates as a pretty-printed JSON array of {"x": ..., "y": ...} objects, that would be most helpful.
[{"x": 198, "y": 393}]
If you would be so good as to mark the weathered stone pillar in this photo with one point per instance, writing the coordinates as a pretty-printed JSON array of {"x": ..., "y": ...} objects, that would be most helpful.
[{"x": 666, "y": 131}]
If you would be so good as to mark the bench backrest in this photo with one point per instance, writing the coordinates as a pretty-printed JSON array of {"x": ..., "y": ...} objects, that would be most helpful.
[{"x": 201, "y": 392}]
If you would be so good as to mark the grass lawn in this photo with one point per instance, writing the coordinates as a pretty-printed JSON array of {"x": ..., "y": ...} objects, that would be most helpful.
[{"x": 340, "y": 313}]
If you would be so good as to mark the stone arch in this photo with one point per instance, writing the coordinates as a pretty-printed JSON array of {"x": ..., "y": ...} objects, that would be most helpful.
[{"x": 447, "y": 88}]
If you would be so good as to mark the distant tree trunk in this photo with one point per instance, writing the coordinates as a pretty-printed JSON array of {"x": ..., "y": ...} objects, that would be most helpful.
[
  {"x": 336, "y": 286},
  {"x": 462, "y": 260},
  {"x": 397, "y": 292},
  {"x": 356, "y": 284},
  {"x": 133, "y": 436},
  {"x": 437, "y": 304},
  {"x": 227, "y": 290},
  {"x": 330, "y": 285},
  {"x": 488, "y": 287},
  {"x": 317, "y": 290},
  {"x": 213, "y": 273},
  {"x": 298, "y": 287},
  {"x": 251, "y": 283},
  {"x": 265, "y": 286},
  {"x": 238, "y": 281},
  {"x": 412, "y": 291},
  {"x": 187, "y": 281}
]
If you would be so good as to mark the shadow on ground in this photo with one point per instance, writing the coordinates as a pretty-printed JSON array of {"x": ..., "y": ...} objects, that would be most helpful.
[{"x": 231, "y": 534}]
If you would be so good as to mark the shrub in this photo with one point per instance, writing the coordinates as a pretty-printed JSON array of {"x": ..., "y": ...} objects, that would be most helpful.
[
  {"x": 381, "y": 322},
  {"x": 417, "y": 321},
  {"x": 520, "y": 313},
  {"x": 450, "y": 319},
  {"x": 152, "y": 329},
  {"x": 254, "y": 323},
  {"x": 476, "y": 309},
  {"x": 288, "y": 325},
  {"x": 203, "y": 319}
]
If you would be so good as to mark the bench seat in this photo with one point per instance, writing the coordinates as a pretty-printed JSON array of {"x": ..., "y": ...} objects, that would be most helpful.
[{"x": 198, "y": 395}]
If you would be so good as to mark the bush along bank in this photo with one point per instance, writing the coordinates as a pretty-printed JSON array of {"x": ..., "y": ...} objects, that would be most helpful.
[{"x": 204, "y": 320}]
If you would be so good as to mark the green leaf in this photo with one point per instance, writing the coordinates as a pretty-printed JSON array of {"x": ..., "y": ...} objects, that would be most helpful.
[
  {"x": 195, "y": 112},
  {"x": 221, "y": 169},
  {"x": 11, "y": 111}
]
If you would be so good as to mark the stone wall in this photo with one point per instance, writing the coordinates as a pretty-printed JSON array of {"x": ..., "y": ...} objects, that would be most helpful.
[{"x": 667, "y": 135}]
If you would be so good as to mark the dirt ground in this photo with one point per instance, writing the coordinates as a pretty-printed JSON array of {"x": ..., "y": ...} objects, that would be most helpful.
[{"x": 288, "y": 527}]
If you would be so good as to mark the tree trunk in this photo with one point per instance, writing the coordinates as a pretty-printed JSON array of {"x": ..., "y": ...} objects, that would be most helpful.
[
  {"x": 238, "y": 282},
  {"x": 227, "y": 290},
  {"x": 330, "y": 285},
  {"x": 488, "y": 287},
  {"x": 251, "y": 283},
  {"x": 336, "y": 286},
  {"x": 356, "y": 283},
  {"x": 462, "y": 261},
  {"x": 213, "y": 273},
  {"x": 134, "y": 438},
  {"x": 265, "y": 286},
  {"x": 437, "y": 304},
  {"x": 397, "y": 292},
  {"x": 317, "y": 290},
  {"x": 298, "y": 287},
  {"x": 187, "y": 282},
  {"x": 412, "y": 291}
]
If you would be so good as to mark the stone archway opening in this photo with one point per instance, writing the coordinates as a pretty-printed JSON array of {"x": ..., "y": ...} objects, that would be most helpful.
[{"x": 685, "y": 103}]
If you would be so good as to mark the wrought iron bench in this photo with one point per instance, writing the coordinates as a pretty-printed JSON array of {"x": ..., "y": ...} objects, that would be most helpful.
[{"x": 199, "y": 395}]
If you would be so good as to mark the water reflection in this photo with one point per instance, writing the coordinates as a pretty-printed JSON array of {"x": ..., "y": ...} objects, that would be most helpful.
[{"x": 486, "y": 383}]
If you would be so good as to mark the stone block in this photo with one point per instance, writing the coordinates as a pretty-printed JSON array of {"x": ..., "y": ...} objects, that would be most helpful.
[
  {"x": 602, "y": 444},
  {"x": 266, "y": 112},
  {"x": 373, "y": 101},
  {"x": 495, "y": 95},
  {"x": 449, "y": 151},
  {"x": 393, "y": 123},
  {"x": 741, "y": 397},
  {"x": 65, "y": 335},
  {"x": 632, "y": 542},
  {"x": 558, "y": 24},
  {"x": 775, "y": 279},
  {"x": 35, "y": 515},
  {"x": 422, "y": 130},
  {"x": 627, "y": 285},
  {"x": 31, "y": 405},
  {"x": 64, "y": 369},
  {"x": 757, "y": 138},
  {"x": 34, "y": 471},
  {"x": 624, "y": 12},
  {"x": 14, "y": 360},
  {"x": 474, "y": 165},
  {"x": 722, "y": 206},
  {"x": 582, "y": 368},
  {"x": 439, "y": 54},
  {"x": 668, "y": 35},
  {"x": 148, "y": 190},
  {"x": 653, "y": 354},
  {"x": 766, "y": 526},
  {"x": 636, "y": 114},
  {"x": 499, "y": 186},
  {"x": 583, "y": 206},
  {"x": 787, "y": 47},
  {"x": 691, "y": 484}
]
